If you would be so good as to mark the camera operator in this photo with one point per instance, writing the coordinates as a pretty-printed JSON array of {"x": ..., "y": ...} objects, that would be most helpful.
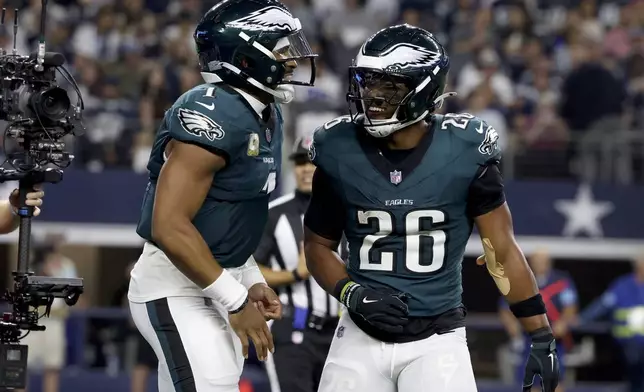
[{"x": 9, "y": 219}]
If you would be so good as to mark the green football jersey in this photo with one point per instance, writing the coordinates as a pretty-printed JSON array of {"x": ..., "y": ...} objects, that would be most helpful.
[
  {"x": 235, "y": 210},
  {"x": 407, "y": 224}
]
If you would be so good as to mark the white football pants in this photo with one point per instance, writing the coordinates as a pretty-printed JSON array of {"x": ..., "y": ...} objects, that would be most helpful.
[
  {"x": 358, "y": 362},
  {"x": 197, "y": 349}
]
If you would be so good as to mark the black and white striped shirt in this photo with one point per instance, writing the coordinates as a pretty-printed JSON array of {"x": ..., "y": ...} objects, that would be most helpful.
[{"x": 279, "y": 249}]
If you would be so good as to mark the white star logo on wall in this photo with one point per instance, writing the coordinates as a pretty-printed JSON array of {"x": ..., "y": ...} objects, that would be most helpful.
[{"x": 583, "y": 213}]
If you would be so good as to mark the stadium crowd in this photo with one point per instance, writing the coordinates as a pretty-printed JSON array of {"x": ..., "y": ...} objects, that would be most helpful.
[{"x": 562, "y": 81}]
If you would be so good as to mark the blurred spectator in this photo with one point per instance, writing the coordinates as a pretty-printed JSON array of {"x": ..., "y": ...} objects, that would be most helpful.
[
  {"x": 592, "y": 103},
  {"x": 329, "y": 88},
  {"x": 100, "y": 39},
  {"x": 541, "y": 141},
  {"x": 515, "y": 31},
  {"x": 466, "y": 37},
  {"x": 47, "y": 348},
  {"x": 635, "y": 77},
  {"x": 347, "y": 28},
  {"x": 624, "y": 299},
  {"x": 485, "y": 68}
]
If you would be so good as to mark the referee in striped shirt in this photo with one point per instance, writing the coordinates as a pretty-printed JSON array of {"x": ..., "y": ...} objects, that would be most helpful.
[{"x": 303, "y": 336}]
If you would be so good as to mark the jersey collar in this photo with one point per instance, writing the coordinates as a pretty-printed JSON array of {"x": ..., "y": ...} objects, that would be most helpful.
[{"x": 255, "y": 103}]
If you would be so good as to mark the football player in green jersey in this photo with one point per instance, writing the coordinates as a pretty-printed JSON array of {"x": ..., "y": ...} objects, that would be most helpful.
[
  {"x": 406, "y": 186},
  {"x": 196, "y": 294}
]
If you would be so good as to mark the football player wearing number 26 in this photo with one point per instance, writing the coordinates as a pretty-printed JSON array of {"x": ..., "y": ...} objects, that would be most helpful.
[
  {"x": 196, "y": 294},
  {"x": 406, "y": 186}
]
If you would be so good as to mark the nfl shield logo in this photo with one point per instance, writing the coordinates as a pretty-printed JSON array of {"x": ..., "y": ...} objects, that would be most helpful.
[
  {"x": 395, "y": 177},
  {"x": 269, "y": 136}
]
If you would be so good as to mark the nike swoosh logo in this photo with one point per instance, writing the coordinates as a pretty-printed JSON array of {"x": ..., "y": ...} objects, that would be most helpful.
[
  {"x": 209, "y": 107},
  {"x": 479, "y": 129},
  {"x": 368, "y": 301}
]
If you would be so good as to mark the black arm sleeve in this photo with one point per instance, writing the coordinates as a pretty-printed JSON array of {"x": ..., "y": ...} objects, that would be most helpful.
[
  {"x": 266, "y": 243},
  {"x": 486, "y": 191},
  {"x": 325, "y": 215}
]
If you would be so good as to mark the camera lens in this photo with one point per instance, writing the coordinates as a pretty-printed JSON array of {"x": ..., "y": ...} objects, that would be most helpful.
[{"x": 52, "y": 104}]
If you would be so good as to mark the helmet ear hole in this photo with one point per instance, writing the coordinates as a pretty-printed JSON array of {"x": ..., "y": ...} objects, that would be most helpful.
[{"x": 243, "y": 61}]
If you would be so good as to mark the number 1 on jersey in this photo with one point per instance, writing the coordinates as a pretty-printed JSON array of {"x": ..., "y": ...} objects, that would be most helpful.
[{"x": 413, "y": 236}]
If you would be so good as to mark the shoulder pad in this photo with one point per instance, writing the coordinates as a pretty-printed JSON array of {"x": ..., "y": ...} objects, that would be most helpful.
[
  {"x": 211, "y": 118},
  {"x": 319, "y": 150},
  {"x": 474, "y": 131}
]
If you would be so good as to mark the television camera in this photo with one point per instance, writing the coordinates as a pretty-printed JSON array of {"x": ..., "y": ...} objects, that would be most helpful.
[{"x": 39, "y": 114}]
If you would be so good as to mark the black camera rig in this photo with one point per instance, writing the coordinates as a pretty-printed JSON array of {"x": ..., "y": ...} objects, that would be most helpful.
[{"x": 39, "y": 114}]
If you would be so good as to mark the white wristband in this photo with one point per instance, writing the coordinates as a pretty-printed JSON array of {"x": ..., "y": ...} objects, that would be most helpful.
[
  {"x": 252, "y": 274},
  {"x": 227, "y": 291}
]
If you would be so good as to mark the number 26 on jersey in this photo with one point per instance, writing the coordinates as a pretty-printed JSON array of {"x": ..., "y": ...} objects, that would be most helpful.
[{"x": 424, "y": 250}]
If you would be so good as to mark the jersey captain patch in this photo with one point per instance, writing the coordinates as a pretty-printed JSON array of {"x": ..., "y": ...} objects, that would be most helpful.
[{"x": 200, "y": 125}]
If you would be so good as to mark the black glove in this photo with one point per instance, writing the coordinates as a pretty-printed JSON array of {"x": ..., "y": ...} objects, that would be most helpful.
[
  {"x": 543, "y": 361},
  {"x": 385, "y": 311}
]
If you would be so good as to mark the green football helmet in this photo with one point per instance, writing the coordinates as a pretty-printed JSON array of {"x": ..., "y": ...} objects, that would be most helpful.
[
  {"x": 252, "y": 44},
  {"x": 397, "y": 79}
]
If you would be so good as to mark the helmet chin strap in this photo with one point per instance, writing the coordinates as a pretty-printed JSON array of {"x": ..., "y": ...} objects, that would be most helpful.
[{"x": 385, "y": 127}]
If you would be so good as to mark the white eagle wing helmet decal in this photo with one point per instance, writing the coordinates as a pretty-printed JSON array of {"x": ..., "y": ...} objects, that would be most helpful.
[
  {"x": 268, "y": 18},
  {"x": 399, "y": 56},
  {"x": 200, "y": 125}
]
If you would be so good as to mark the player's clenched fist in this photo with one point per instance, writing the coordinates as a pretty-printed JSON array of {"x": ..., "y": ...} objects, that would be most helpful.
[
  {"x": 248, "y": 323},
  {"x": 384, "y": 311}
]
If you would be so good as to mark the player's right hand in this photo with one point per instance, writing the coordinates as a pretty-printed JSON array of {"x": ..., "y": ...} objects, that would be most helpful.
[
  {"x": 384, "y": 311},
  {"x": 250, "y": 324}
]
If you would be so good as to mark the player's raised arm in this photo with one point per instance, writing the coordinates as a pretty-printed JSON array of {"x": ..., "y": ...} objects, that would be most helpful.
[{"x": 509, "y": 268}]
